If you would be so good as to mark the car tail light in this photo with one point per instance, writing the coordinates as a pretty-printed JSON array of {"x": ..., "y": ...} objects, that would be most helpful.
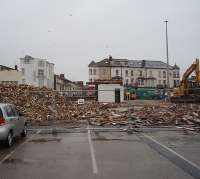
[{"x": 2, "y": 121}]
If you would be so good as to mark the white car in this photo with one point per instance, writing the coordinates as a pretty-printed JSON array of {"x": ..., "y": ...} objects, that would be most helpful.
[{"x": 12, "y": 124}]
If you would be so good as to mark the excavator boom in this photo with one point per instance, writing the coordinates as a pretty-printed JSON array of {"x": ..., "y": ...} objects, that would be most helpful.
[{"x": 183, "y": 93}]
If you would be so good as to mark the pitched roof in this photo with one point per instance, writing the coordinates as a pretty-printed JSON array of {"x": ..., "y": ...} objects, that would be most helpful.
[
  {"x": 2, "y": 67},
  {"x": 102, "y": 63},
  {"x": 131, "y": 63}
]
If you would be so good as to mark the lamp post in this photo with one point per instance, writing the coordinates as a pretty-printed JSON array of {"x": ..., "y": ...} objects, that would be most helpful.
[{"x": 167, "y": 55}]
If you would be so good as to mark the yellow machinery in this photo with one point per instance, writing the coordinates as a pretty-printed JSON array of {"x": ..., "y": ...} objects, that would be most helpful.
[{"x": 185, "y": 93}]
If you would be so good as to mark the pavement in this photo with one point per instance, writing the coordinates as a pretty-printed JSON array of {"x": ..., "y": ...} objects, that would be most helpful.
[{"x": 103, "y": 154}]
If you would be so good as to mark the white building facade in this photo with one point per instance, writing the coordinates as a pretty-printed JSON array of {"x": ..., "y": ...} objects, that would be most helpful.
[
  {"x": 37, "y": 72},
  {"x": 141, "y": 73}
]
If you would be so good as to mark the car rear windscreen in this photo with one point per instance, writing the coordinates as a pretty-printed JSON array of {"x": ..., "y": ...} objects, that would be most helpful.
[{"x": 1, "y": 114}]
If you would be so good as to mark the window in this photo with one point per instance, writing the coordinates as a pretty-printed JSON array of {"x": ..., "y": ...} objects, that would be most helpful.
[
  {"x": 159, "y": 82},
  {"x": 1, "y": 113},
  {"x": 90, "y": 79},
  {"x": 126, "y": 72},
  {"x": 140, "y": 82},
  {"x": 126, "y": 81},
  {"x": 90, "y": 71},
  {"x": 23, "y": 71},
  {"x": 175, "y": 83},
  {"x": 14, "y": 111},
  {"x": 41, "y": 82},
  {"x": 40, "y": 72},
  {"x": 164, "y": 74},
  {"x": 140, "y": 73},
  {"x": 132, "y": 80},
  {"x": 159, "y": 74},
  {"x": 176, "y": 74},
  {"x": 131, "y": 72},
  {"x": 41, "y": 63},
  {"x": 164, "y": 82},
  {"x": 94, "y": 71},
  {"x": 9, "y": 111},
  {"x": 117, "y": 72}
]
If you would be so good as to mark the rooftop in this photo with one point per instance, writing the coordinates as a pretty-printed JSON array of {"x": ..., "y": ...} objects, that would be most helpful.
[
  {"x": 29, "y": 58},
  {"x": 2, "y": 67},
  {"x": 131, "y": 63}
]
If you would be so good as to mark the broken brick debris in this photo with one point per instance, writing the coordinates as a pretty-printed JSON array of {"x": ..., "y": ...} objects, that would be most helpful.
[{"x": 40, "y": 106}]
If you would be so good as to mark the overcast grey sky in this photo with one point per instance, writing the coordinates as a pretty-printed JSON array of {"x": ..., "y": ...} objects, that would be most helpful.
[{"x": 71, "y": 33}]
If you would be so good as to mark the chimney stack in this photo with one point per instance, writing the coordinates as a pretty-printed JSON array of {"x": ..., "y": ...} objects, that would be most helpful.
[
  {"x": 62, "y": 76},
  {"x": 110, "y": 58},
  {"x": 143, "y": 63},
  {"x": 16, "y": 67}
]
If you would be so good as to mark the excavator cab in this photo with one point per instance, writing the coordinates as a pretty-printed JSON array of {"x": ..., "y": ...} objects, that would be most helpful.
[{"x": 192, "y": 83}]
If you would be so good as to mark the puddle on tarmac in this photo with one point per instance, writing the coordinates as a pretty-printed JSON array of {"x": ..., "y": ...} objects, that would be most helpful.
[
  {"x": 43, "y": 140},
  {"x": 114, "y": 139},
  {"x": 17, "y": 161}
]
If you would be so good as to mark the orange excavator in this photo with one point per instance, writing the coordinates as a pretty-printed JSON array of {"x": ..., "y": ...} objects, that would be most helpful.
[{"x": 188, "y": 91}]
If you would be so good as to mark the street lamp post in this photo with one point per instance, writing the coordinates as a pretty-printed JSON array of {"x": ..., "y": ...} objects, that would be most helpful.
[{"x": 167, "y": 55}]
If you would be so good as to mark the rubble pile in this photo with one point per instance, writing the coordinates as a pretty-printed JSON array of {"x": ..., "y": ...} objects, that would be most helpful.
[
  {"x": 32, "y": 102},
  {"x": 164, "y": 114},
  {"x": 41, "y": 105},
  {"x": 168, "y": 114}
]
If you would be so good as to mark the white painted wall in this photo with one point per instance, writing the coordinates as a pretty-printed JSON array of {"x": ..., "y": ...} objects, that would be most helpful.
[
  {"x": 31, "y": 77},
  {"x": 106, "y": 92}
]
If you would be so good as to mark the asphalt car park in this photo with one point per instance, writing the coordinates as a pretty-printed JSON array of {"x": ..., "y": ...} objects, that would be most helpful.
[{"x": 93, "y": 153}]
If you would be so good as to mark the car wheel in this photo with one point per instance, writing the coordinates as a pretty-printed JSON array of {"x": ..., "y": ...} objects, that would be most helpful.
[
  {"x": 24, "y": 132},
  {"x": 9, "y": 140}
]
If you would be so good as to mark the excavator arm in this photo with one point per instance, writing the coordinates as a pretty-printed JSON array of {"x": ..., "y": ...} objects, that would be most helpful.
[
  {"x": 197, "y": 71},
  {"x": 184, "y": 82},
  {"x": 183, "y": 89}
]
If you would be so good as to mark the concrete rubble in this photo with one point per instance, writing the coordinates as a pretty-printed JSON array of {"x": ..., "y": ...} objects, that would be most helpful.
[{"x": 41, "y": 106}]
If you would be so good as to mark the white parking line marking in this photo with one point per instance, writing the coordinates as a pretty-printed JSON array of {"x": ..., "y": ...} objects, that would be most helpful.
[
  {"x": 94, "y": 163},
  {"x": 172, "y": 151},
  {"x": 13, "y": 151}
]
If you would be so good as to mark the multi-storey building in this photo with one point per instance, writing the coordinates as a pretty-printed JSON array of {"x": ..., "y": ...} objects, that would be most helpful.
[
  {"x": 67, "y": 87},
  {"x": 141, "y": 73},
  {"x": 59, "y": 82},
  {"x": 37, "y": 72},
  {"x": 63, "y": 84},
  {"x": 10, "y": 76}
]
